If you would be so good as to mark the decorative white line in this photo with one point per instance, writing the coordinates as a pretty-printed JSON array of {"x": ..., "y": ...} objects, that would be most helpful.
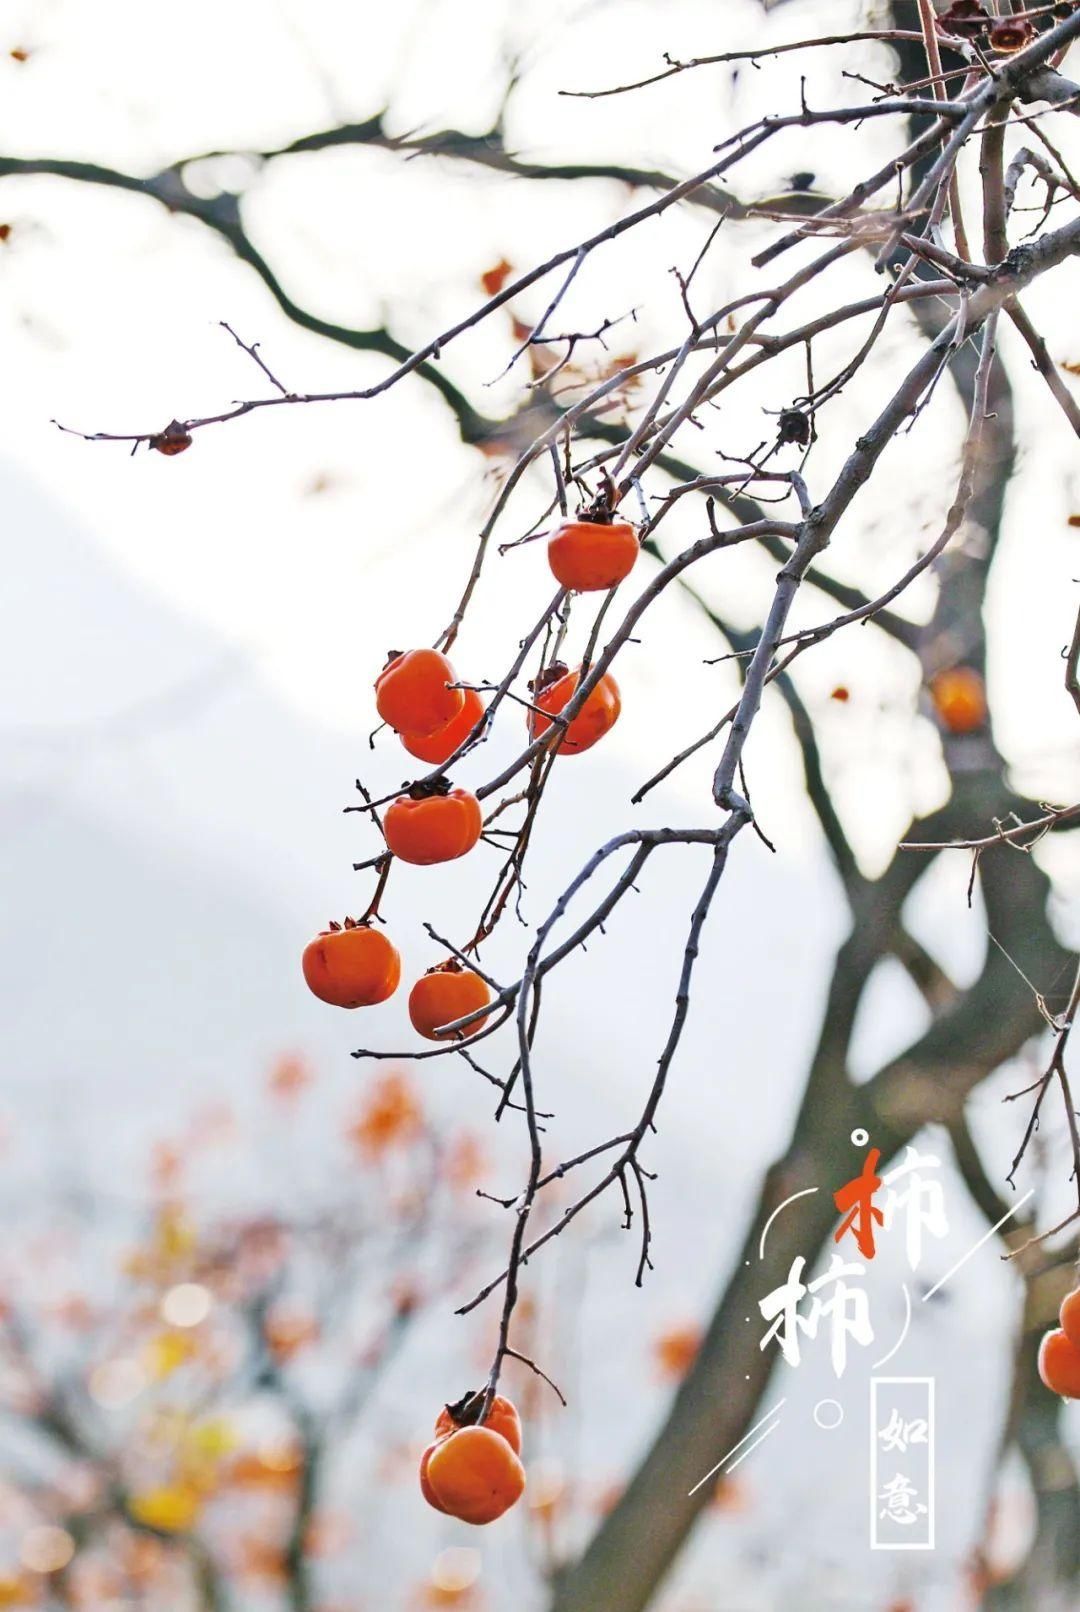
[
  {"x": 805, "y": 1193},
  {"x": 751, "y": 1448},
  {"x": 767, "y": 1417},
  {"x": 983, "y": 1239},
  {"x": 907, "y": 1322}
]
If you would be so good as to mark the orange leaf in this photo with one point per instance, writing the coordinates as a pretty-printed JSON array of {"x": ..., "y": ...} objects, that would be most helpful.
[
  {"x": 390, "y": 1114},
  {"x": 494, "y": 279},
  {"x": 675, "y": 1351}
]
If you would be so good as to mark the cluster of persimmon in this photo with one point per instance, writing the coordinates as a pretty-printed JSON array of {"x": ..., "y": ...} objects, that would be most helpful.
[
  {"x": 1059, "y": 1352},
  {"x": 472, "y": 1470},
  {"x": 419, "y": 695}
]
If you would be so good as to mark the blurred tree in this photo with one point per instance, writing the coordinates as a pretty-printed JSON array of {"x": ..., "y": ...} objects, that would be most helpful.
[{"x": 175, "y": 1412}]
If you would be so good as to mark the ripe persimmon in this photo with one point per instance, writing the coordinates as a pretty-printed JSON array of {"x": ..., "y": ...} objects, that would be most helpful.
[
  {"x": 589, "y": 555},
  {"x": 425, "y": 1483},
  {"x": 433, "y": 823},
  {"x": 444, "y": 994},
  {"x": 959, "y": 697},
  {"x": 473, "y": 1474},
  {"x": 351, "y": 965},
  {"x": 501, "y": 1418},
  {"x": 439, "y": 746},
  {"x": 1059, "y": 1365},
  {"x": 1069, "y": 1316},
  {"x": 597, "y": 716},
  {"x": 412, "y": 692}
]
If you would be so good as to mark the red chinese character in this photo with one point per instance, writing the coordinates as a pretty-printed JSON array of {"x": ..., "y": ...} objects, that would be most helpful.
[{"x": 857, "y": 1196}]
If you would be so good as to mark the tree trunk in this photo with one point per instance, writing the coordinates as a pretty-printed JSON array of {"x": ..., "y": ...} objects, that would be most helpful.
[{"x": 719, "y": 1399}]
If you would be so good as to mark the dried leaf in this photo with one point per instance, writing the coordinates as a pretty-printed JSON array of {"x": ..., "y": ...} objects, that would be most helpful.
[{"x": 495, "y": 278}]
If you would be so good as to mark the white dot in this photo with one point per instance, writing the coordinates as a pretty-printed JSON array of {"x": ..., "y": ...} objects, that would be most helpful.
[
  {"x": 115, "y": 1383},
  {"x": 186, "y": 1305},
  {"x": 46, "y": 1549},
  {"x": 860, "y": 1137},
  {"x": 456, "y": 1569}
]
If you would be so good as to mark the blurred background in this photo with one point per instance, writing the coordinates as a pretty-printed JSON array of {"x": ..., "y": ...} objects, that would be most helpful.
[{"x": 233, "y": 1253}]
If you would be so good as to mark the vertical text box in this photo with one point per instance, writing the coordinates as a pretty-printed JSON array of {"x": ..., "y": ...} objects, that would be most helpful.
[{"x": 902, "y": 1463}]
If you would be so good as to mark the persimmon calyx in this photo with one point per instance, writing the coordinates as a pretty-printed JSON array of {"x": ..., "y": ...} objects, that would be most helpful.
[
  {"x": 550, "y": 674},
  {"x": 429, "y": 788},
  {"x": 601, "y": 512},
  {"x": 465, "y": 1412}
]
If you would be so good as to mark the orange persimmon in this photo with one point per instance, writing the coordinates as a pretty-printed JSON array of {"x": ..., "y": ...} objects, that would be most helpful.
[
  {"x": 1059, "y": 1365},
  {"x": 351, "y": 965},
  {"x": 1069, "y": 1316},
  {"x": 590, "y": 556},
  {"x": 425, "y": 1483},
  {"x": 444, "y": 994},
  {"x": 959, "y": 697},
  {"x": 433, "y": 823},
  {"x": 597, "y": 716},
  {"x": 473, "y": 1474},
  {"x": 413, "y": 693},
  {"x": 501, "y": 1418},
  {"x": 439, "y": 746}
]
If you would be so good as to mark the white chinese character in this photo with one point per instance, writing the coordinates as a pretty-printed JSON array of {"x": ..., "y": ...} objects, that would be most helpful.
[
  {"x": 898, "y": 1495},
  {"x": 847, "y": 1309},
  {"x": 897, "y": 1434},
  {"x": 924, "y": 1201}
]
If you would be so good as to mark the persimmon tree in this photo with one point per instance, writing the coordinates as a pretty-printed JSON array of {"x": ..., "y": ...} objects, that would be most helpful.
[{"x": 906, "y": 289}]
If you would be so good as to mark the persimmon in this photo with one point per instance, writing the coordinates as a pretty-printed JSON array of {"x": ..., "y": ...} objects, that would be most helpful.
[
  {"x": 444, "y": 994},
  {"x": 501, "y": 1418},
  {"x": 1069, "y": 1316},
  {"x": 597, "y": 716},
  {"x": 413, "y": 693},
  {"x": 174, "y": 439},
  {"x": 1059, "y": 1365},
  {"x": 425, "y": 1482},
  {"x": 433, "y": 823},
  {"x": 959, "y": 697},
  {"x": 439, "y": 746},
  {"x": 589, "y": 556},
  {"x": 351, "y": 965},
  {"x": 474, "y": 1474}
]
